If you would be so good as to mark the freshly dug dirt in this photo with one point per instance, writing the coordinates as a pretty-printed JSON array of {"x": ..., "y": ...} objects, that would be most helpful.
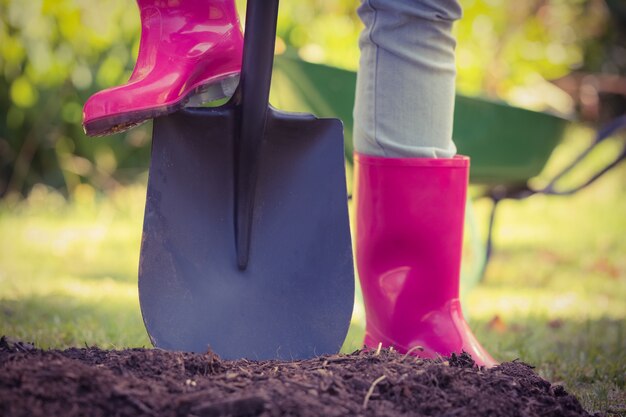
[{"x": 152, "y": 382}]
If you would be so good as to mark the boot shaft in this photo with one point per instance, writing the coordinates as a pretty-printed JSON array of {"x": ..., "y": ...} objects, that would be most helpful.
[
  {"x": 174, "y": 30},
  {"x": 409, "y": 229},
  {"x": 200, "y": 9},
  {"x": 182, "y": 20}
]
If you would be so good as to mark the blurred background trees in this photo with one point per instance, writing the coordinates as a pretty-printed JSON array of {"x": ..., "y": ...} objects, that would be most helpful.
[{"x": 55, "y": 53}]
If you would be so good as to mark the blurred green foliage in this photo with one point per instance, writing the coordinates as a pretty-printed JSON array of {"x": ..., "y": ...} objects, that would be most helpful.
[
  {"x": 55, "y": 53},
  {"x": 504, "y": 45}
]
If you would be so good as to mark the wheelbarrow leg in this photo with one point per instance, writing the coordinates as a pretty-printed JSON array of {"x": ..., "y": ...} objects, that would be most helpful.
[{"x": 474, "y": 264}]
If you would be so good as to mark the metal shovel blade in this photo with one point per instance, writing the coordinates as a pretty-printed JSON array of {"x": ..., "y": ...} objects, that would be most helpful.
[{"x": 294, "y": 300}]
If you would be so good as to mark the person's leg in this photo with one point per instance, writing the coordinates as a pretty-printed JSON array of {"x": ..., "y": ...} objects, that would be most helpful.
[
  {"x": 405, "y": 84},
  {"x": 410, "y": 189}
]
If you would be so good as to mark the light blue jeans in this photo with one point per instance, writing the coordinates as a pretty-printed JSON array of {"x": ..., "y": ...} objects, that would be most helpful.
[{"x": 405, "y": 84}]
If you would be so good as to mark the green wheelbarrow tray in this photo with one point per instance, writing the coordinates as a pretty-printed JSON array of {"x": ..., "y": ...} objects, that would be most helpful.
[{"x": 507, "y": 145}]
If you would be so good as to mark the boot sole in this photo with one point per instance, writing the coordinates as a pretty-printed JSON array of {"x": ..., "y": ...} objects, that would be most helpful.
[{"x": 201, "y": 94}]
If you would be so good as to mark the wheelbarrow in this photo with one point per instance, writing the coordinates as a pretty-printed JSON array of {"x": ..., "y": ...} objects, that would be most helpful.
[{"x": 504, "y": 157}]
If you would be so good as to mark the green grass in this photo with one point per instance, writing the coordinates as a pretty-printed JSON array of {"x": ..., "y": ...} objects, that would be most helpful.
[{"x": 554, "y": 294}]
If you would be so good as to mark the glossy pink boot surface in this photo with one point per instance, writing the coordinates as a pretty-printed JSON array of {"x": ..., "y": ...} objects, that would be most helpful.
[
  {"x": 189, "y": 50},
  {"x": 409, "y": 236}
]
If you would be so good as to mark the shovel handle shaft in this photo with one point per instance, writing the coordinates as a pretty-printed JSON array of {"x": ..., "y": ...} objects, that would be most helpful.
[
  {"x": 256, "y": 76},
  {"x": 258, "y": 60}
]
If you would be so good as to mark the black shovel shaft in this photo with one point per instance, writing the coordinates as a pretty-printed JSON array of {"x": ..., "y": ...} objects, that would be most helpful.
[
  {"x": 258, "y": 59},
  {"x": 256, "y": 75}
]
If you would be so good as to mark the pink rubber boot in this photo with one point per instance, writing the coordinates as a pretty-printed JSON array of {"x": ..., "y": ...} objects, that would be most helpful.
[
  {"x": 409, "y": 235},
  {"x": 188, "y": 49}
]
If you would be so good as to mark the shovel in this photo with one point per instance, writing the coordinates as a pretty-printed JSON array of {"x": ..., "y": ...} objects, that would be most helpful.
[{"x": 246, "y": 245}]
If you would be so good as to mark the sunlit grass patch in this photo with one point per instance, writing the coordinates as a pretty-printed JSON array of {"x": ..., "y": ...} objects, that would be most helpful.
[{"x": 68, "y": 270}]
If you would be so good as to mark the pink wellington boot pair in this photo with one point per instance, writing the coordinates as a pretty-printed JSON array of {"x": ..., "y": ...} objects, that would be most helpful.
[
  {"x": 409, "y": 235},
  {"x": 190, "y": 50}
]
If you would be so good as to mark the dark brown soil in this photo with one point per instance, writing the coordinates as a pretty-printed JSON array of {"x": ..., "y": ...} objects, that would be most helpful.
[{"x": 152, "y": 382}]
